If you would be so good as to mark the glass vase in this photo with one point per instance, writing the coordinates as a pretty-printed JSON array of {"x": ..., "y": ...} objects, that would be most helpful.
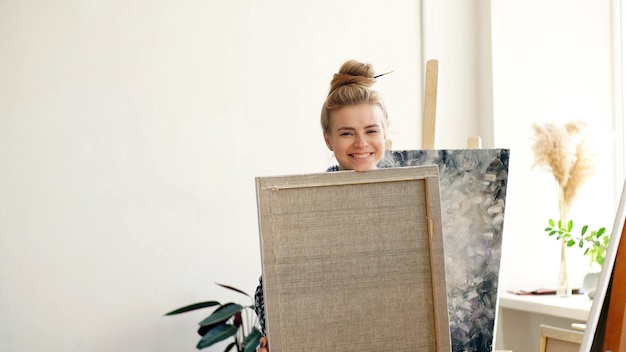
[{"x": 563, "y": 288}]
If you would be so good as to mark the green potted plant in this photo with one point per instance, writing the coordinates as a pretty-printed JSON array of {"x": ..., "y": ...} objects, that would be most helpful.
[
  {"x": 593, "y": 242},
  {"x": 227, "y": 320}
]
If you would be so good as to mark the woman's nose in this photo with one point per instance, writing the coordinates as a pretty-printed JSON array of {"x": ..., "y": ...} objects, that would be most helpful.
[{"x": 360, "y": 141}]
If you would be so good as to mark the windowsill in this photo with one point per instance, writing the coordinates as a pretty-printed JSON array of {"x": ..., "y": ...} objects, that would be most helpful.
[{"x": 576, "y": 307}]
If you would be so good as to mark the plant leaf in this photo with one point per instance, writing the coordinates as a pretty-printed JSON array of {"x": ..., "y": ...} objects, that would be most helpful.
[
  {"x": 584, "y": 230},
  {"x": 230, "y": 346},
  {"x": 551, "y": 222},
  {"x": 601, "y": 231},
  {"x": 233, "y": 289},
  {"x": 571, "y": 243},
  {"x": 194, "y": 307},
  {"x": 252, "y": 340},
  {"x": 222, "y": 313},
  {"x": 570, "y": 226},
  {"x": 215, "y": 335},
  {"x": 204, "y": 329}
]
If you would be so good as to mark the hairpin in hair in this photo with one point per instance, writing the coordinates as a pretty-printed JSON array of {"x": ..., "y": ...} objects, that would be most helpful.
[{"x": 382, "y": 74}]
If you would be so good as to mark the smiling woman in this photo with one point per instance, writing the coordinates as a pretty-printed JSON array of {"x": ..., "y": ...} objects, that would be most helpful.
[
  {"x": 354, "y": 118},
  {"x": 354, "y": 123}
]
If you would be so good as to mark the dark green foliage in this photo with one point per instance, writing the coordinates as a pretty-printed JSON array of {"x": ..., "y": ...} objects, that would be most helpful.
[{"x": 227, "y": 320}]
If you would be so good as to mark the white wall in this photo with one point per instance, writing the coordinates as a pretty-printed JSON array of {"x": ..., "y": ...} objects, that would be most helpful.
[
  {"x": 451, "y": 36},
  {"x": 130, "y": 136},
  {"x": 131, "y": 133}
]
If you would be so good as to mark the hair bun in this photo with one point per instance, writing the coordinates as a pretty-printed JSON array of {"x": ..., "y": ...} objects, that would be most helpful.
[
  {"x": 353, "y": 72},
  {"x": 351, "y": 86}
]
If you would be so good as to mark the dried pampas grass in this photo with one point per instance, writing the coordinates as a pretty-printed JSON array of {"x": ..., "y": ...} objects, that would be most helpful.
[{"x": 563, "y": 151}]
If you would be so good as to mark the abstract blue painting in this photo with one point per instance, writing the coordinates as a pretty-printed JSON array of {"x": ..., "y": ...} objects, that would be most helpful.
[{"x": 472, "y": 185}]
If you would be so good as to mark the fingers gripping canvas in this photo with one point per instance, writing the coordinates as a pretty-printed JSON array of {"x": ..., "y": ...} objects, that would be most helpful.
[{"x": 354, "y": 261}]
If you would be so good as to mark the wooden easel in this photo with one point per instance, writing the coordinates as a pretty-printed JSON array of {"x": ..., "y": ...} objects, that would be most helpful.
[
  {"x": 429, "y": 122},
  {"x": 605, "y": 330},
  {"x": 615, "y": 329}
]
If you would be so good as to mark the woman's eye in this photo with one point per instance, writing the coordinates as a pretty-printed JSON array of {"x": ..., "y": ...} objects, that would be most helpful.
[
  {"x": 372, "y": 131},
  {"x": 345, "y": 134}
]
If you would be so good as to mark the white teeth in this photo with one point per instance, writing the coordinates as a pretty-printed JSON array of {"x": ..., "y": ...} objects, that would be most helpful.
[{"x": 361, "y": 156}]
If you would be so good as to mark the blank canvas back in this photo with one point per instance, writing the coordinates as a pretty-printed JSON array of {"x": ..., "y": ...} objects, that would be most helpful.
[{"x": 354, "y": 261}]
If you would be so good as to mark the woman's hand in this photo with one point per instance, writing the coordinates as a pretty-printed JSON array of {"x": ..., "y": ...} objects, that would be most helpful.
[{"x": 263, "y": 345}]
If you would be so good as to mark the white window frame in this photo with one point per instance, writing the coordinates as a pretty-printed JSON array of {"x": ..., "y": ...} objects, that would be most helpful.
[{"x": 618, "y": 14}]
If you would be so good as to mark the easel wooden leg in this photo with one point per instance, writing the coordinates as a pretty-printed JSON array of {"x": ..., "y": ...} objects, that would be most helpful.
[
  {"x": 615, "y": 334},
  {"x": 430, "y": 104}
]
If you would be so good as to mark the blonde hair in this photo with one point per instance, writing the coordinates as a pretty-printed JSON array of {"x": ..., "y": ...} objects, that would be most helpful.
[{"x": 351, "y": 86}]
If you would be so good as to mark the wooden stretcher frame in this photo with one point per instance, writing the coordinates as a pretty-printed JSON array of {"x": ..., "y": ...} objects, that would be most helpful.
[
  {"x": 615, "y": 331},
  {"x": 354, "y": 261},
  {"x": 554, "y": 339}
]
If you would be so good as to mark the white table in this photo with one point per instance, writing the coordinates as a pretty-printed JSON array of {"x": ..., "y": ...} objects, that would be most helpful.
[{"x": 519, "y": 318}]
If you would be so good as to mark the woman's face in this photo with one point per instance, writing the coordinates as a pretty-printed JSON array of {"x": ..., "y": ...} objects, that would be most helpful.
[{"x": 357, "y": 136}]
